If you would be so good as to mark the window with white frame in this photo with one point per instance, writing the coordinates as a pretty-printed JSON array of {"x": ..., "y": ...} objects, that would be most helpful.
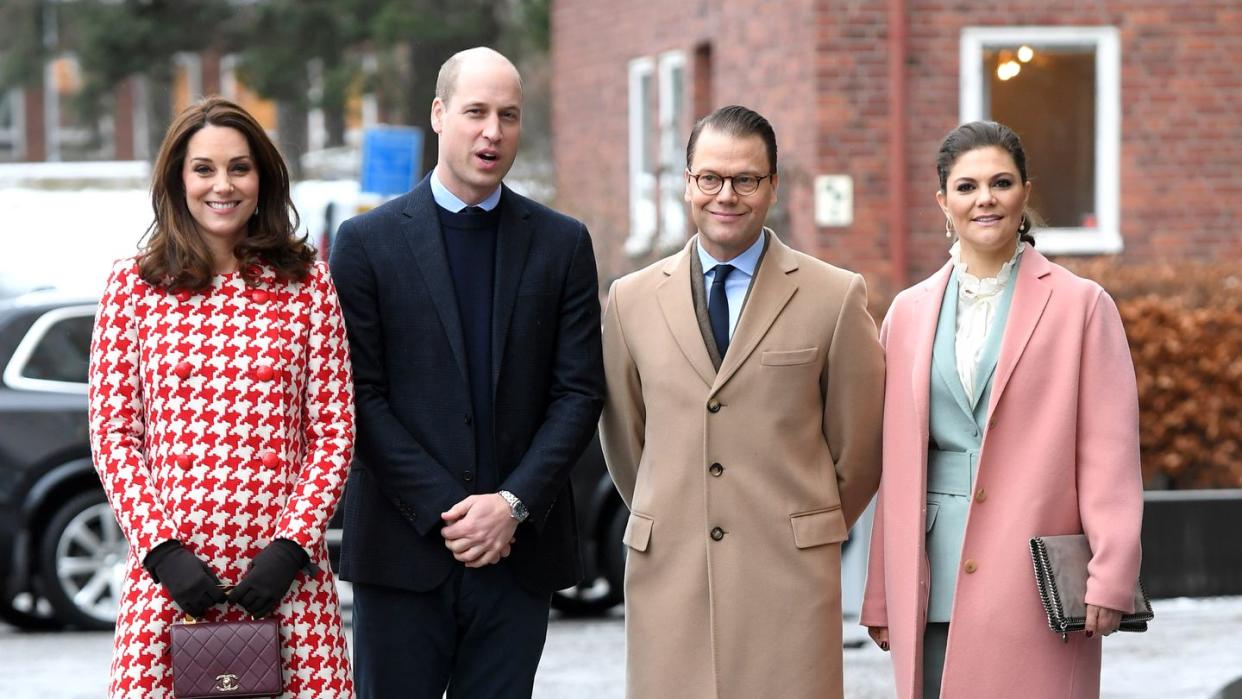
[
  {"x": 643, "y": 221},
  {"x": 1059, "y": 89},
  {"x": 672, "y": 152},
  {"x": 657, "y": 153}
]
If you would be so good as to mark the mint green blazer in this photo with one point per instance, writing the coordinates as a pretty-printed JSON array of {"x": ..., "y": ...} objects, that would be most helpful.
[{"x": 956, "y": 424}]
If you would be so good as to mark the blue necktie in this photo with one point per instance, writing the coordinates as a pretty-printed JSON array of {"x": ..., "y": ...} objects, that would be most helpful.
[{"x": 718, "y": 308}]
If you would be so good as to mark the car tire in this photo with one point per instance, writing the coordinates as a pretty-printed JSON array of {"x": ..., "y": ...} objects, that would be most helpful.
[
  {"x": 29, "y": 612},
  {"x": 596, "y": 597},
  {"x": 82, "y": 562}
]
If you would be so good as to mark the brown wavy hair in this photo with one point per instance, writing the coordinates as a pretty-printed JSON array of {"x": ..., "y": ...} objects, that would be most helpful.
[{"x": 174, "y": 255}]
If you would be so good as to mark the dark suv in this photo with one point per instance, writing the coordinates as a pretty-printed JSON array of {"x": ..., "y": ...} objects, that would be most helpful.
[{"x": 62, "y": 555}]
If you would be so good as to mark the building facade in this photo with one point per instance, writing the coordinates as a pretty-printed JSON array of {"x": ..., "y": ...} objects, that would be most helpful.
[{"x": 1131, "y": 113}]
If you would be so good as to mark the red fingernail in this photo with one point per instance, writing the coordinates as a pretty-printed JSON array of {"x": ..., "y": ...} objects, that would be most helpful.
[{"x": 1090, "y": 634}]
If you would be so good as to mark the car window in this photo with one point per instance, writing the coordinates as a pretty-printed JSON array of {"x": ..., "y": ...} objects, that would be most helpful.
[
  {"x": 54, "y": 353},
  {"x": 62, "y": 353}
]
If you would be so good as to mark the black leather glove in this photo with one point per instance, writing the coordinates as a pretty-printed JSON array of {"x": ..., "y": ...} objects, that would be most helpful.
[
  {"x": 185, "y": 576},
  {"x": 270, "y": 575}
]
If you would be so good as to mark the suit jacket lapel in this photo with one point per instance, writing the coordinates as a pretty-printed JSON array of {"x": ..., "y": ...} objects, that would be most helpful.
[
  {"x": 677, "y": 305},
  {"x": 944, "y": 349},
  {"x": 1030, "y": 297},
  {"x": 512, "y": 243},
  {"x": 771, "y": 289},
  {"x": 422, "y": 233},
  {"x": 991, "y": 345}
]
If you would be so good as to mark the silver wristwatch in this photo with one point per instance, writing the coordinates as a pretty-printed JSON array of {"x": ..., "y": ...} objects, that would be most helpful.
[{"x": 517, "y": 510}]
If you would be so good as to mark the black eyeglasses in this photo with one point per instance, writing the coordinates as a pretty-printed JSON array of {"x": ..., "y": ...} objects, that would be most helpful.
[{"x": 711, "y": 183}]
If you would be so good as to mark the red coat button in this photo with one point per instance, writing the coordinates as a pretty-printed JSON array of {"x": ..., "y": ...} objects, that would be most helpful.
[
  {"x": 183, "y": 296},
  {"x": 259, "y": 296},
  {"x": 183, "y": 370},
  {"x": 270, "y": 459},
  {"x": 183, "y": 460},
  {"x": 264, "y": 373}
]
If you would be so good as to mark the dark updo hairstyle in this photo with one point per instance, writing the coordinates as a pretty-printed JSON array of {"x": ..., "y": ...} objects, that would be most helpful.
[
  {"x": 983, "y": 134},
  {"x": 174, "y": 254}
]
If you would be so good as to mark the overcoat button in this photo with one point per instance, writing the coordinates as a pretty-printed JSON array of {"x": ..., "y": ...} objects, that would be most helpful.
[
  {"x": 717, "y": 533},
  {"x": 713, "y": 406},
  {"x": 970, "y": 566},
  {"x": 468, "y": 476},
  {"x": 264, "y": 373},
  {"x": 716, "y": 469},
  {"x": 183, "y": 296},
  {"x": 981, "y": 495},
  {"x": 468, "y": 420},
  {"x": 270, "y": 459},
  {"x": 259, "y": 296},
  {"x": 183, "y": 370},
  {"x": 183, "y": 460}
]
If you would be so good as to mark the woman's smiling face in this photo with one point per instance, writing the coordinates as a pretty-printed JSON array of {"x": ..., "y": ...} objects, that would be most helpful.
[{"x": 984, "y": 198}]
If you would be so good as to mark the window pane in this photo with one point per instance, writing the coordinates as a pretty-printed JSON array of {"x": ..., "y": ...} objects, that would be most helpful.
[
  {"x": 1049, "y": 100},
  {"x": 646, "y": 100},
  {"x": 63, "y": 352}
]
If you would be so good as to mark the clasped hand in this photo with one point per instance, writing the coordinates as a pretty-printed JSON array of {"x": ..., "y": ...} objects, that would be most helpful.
[{"x": 479, "y": 530}]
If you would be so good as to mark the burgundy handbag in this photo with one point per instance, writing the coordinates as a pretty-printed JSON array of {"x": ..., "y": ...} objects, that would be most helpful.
[{"x": 226, "y": 659}]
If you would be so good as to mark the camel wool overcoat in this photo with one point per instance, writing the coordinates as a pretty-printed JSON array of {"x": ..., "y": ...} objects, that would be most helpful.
[
  {"x": 1060, "y": 455},
  {"x": 742, "y": 483}
]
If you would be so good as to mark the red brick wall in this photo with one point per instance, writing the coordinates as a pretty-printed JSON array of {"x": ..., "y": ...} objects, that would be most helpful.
[
  {"x": 818, "y": 69},
  {"x": 761, "y": 57}
]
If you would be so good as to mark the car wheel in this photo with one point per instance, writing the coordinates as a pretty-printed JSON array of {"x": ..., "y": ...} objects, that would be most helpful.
[
  {"x": 596, "y": 597},
  {"x": 82, "y": 562},
  {"x": 29, "y": 612}
]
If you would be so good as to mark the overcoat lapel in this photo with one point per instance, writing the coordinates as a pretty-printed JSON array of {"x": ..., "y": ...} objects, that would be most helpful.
[
  {"x": 1030, "y": 297},
  {"x": 771, "y": 289},
  {"x": 926, "y": 312},
  {"x": 422, "y": 233},
  {"x": 513, "y": 239},
  {"x": 677, "y": 305}
]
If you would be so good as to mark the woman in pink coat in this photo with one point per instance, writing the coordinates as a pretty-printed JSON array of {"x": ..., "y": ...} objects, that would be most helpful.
[
  {"x": 221, "y": 411},
  {"x": 1010, "y": 412}
]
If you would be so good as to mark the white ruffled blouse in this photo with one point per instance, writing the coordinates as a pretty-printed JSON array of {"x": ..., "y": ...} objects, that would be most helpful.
[{"x": 977, "y": 301}]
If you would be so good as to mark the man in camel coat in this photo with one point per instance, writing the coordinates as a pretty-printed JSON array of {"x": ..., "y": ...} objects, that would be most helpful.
[{"x": 742, "y": 428}]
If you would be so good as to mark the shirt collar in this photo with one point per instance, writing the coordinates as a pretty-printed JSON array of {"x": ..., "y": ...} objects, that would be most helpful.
[
  {"x": 447, "y": 200},
  {"x": 745, "y": 263}
]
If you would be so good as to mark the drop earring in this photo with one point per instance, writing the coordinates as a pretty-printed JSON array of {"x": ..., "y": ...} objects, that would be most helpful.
[{"x": 948, "y": 228}]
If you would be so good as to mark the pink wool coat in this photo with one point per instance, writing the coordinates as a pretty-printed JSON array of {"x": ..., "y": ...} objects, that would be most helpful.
[{"x": 1060, "y": 456}]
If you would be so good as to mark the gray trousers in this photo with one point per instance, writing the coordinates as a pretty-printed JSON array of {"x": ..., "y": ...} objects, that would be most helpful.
[{"x": 934, "y": 640}]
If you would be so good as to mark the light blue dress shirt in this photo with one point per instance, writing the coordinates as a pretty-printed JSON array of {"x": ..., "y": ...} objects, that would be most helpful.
[
  {"x": 449, "y": 201},
  {"x": 739, "y": 279}
]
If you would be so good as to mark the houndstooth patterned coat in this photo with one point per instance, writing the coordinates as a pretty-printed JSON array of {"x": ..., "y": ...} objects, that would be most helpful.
[{"x": 223, "y": 419}]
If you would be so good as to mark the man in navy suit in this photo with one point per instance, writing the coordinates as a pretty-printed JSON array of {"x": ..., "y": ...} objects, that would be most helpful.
[{"x": 474, "y": 327}]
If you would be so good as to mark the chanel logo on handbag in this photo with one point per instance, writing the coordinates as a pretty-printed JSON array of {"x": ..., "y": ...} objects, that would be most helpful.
[{"x": 227, "y": 683}]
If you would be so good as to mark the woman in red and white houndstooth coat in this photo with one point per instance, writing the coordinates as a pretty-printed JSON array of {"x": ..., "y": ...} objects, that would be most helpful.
[{"x": 221, "y": 411}]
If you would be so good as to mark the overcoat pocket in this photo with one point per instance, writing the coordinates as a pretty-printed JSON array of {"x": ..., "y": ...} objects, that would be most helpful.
[
  {"x": 788, "y": 357},
  {"x": 818, "y": 527},
  {"x": 637, "y": 532}
]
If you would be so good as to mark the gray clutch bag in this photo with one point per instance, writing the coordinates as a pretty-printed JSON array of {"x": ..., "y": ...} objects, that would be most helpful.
[{"x": 1061, "y": 576}]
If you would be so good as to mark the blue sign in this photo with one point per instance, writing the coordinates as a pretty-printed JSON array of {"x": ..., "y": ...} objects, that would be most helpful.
[{"x": 391, "y": 158}]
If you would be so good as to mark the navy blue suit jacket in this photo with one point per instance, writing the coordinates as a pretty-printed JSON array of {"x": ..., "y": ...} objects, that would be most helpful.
[{"x": 415, "y": 449}]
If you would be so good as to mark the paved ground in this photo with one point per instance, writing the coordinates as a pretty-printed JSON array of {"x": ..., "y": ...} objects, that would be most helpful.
[{"x": 1193, "y": 649}]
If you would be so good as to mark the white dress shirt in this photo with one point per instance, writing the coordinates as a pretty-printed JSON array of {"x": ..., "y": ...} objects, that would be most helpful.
[{"x": 977, "y": 300}]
